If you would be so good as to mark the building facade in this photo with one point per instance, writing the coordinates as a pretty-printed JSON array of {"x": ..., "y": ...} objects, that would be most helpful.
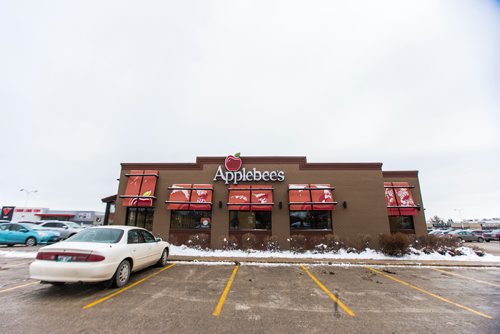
[{"x": 224, "y": 197}]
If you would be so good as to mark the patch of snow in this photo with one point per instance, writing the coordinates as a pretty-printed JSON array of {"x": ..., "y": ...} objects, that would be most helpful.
[
  {"x": 26, "y": 255},
  {"x": 368, "y": 254}
]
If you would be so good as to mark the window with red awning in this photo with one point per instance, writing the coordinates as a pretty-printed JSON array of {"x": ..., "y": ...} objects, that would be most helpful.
[
  {"x": 307, "y": 197},
  {"x": 190, "y": 197},
  {"x": 250, "y": 198},
  {"x": 399, "y": 199},
  {"x": 140, "y": 188}
]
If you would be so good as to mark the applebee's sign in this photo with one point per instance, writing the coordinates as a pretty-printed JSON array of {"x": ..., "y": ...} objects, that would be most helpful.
[{"x": 234, "y": 174}]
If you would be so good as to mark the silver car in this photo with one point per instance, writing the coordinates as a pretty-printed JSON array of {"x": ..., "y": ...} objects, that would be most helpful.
[
  {"x": 466, "y": 235},
  {"x": 65, "y": 229}
]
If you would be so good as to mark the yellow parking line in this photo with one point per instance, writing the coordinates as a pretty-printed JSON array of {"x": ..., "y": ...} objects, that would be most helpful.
[
  {"x": 222, "y": 299},
  {"x": 430, "y": 293},
  {"x": 19, "y": 286},
  {"x": 111, "y": 295},
  {"x": 470, "y": 278},
  {"x": 335, "y": 299}
]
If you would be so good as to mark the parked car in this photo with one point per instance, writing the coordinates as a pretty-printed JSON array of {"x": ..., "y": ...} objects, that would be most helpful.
[
  {"x": 103, "y": 253},
  {"x": 13, "y": 233},
  {"x": 66, "y": 229},
  {"x": 492, "y": 235},
  {"x": 463, "y": 235},
  {"x": 478, "y": 232}
]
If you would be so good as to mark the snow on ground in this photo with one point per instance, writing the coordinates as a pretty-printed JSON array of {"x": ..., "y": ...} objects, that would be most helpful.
[
  {"x": 18, "y": 254},
  {"x": 368, "y": 254}
]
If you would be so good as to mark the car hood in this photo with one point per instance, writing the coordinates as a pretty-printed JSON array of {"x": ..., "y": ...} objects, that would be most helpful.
[{"x": 65, "y": 246}]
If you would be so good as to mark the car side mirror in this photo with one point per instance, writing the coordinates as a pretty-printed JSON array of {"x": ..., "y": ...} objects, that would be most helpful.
[
  {"x": 65, "y": 227},
  {"x": 158, "y": 239}
]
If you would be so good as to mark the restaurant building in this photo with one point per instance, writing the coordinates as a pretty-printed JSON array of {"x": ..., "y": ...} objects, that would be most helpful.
[{"x": 223, "y": 197}]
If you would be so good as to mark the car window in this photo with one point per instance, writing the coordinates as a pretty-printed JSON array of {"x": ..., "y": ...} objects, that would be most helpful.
[
  {"x": 135, "y": 237},
  {"x": 99, "y": 235},
  {"x": 148, "y": 237},
  {"x": 17, "y": 228},
  {"x": 60, "y": 225},
  {"x": 4, "y": 227},
  {"x": 49, "y": 225}
]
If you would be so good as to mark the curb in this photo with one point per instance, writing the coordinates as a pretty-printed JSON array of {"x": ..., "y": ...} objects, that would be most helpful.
[{"x": 411, "y": 263}]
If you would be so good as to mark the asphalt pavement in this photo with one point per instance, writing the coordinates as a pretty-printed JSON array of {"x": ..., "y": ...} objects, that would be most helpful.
[{"x": 277, "y": 298}]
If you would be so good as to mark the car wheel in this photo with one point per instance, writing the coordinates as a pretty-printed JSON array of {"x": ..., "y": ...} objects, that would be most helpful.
[
  {"x": 163, "y": 259},
  {"x": 480, "y": 240},
  {"x": 30, "y": 242},
  {"x": 122, "y": 274}
]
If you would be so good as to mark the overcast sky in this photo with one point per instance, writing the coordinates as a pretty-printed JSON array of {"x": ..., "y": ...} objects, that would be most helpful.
[{"x": 85, "y": 85}]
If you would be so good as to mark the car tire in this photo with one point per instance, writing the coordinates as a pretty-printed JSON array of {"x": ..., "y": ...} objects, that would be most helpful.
[
  {"x": 163, "y": 261},
  {"x": 30, "y": 242},
  {"x": 122, "y": 274},
  {"x": 480, "y": 240}
]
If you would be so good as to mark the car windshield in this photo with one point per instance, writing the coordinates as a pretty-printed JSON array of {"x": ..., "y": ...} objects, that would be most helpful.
[
  {"x": 73, "y": 225},
  {"x": 101, "y": 235}
]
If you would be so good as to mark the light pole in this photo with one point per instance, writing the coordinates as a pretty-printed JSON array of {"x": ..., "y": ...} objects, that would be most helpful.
[
  {"x": 460, "y": 215},
  {"x": 28, "y": 193}
]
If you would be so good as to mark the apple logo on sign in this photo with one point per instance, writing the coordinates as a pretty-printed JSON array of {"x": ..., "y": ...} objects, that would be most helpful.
[{"x": 233, "y": 162}]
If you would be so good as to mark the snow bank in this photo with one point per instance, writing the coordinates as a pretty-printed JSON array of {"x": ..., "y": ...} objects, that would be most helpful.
[{"x": 368, "y": 254}]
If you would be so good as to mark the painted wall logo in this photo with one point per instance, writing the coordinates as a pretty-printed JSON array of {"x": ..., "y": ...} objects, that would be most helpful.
[{"x": 233, "y": 174}]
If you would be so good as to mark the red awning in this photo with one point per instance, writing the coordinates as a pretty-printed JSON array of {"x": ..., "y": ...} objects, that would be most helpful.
[
  {"x": 399, "y": 199},
  {"x": 250, "y": 198},
  {"x": 140, "y": 188},
  {"x": 190, "y": 197},
  {"x": 305, "y": 197}
]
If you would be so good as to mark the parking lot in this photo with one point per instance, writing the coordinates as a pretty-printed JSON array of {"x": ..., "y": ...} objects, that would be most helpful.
[{"x": 227, "y": 298}]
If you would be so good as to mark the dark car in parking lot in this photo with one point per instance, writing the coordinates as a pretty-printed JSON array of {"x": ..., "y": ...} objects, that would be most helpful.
[{"x": 492, "y": 235}]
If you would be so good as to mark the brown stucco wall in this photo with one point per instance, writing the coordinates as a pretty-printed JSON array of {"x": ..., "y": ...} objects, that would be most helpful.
[{"x": 359, "y": 185}]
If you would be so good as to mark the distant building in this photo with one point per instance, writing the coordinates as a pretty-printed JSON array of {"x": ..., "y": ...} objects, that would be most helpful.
[{"x": 36, "y": 214}]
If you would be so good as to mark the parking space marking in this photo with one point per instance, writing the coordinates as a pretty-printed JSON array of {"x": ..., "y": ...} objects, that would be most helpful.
[
  {"x": 19, "y": 286},
  {"x": 222, "y": 298},
  {"x": 111, "y": 295},
  {"x": 469, "y": 278},
  {"x": 430, "y": 293},
  {"x": 335, "y": 299}
]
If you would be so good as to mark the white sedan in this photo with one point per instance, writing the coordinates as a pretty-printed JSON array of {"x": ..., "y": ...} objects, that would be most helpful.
[{"x": 105, "y": 253}]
